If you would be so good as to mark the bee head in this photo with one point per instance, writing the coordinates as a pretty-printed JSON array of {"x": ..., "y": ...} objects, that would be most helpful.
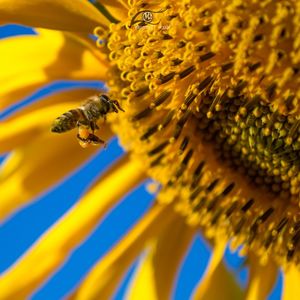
[{"x": 104, "y": 97}]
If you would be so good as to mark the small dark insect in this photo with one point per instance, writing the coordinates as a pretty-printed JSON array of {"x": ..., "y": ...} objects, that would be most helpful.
[
  {"x": 147, "y": 17},
  {"x": 85, "y": 117}
]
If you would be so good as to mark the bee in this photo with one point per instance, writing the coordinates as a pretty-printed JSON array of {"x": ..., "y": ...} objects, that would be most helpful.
[{"x": 85, "y": 117}]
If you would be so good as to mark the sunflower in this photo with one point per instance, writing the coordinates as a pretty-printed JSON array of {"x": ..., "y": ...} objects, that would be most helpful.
[{"x": 211, "y": 113}]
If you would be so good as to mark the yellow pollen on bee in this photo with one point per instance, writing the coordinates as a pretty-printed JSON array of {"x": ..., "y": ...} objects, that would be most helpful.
[{"x": 83, "y": 133}]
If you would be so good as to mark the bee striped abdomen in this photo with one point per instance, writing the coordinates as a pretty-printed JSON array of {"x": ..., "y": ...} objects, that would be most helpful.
[{"x": 67, "y": 121}]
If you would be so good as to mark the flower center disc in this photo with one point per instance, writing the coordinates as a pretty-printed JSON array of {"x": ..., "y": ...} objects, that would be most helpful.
[{"x": 211, "y": 98}]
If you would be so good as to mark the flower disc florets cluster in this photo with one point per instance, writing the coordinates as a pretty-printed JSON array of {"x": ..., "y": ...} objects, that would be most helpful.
[{"x": 211, "y": 94}]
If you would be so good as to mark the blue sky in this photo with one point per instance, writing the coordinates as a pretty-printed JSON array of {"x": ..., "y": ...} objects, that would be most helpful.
[{"x": 24, "y": 227}]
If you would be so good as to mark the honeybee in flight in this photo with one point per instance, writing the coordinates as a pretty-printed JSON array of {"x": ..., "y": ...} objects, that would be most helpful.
[{"x": 85, "y": 117}]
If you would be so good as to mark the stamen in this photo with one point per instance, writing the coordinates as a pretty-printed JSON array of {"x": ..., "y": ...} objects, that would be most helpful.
[
  {"x": 167, "y": 37},
  {"x": 197, "y": 175},
  {"x": 159, "y": 148},
  {"x": 205, "y": 28},
  {"x": 142, "y": 91},
  {"x": 239, "y": 225},
  {"x": 187, "y": 72},
  {"x": 271, "y": 90},
  {"x": 248, "y": 205},
  {"x": 176, "y": 62},
  {"x": 195, "y": 193},
  {"x": 207, "y": 56},
  {"x": 180, "y": 124},
  {"x": 204, "y": 83},
  {"x": 161, "y": 99},
  {"x": 253, "y": 67},
  {"x": 228, "y": 189},
  {"x": 212, "y": 185},
  {"x": 188, "y": 101},
  {"x": 184, "y": 164},
  {"x": 184, "y": 144},
  {"x": 231, "y": 209},
  {"x": 166, "y": 78},
  {"x": 216, "y": 217},
  {"x": 143, "y": 114},
  {"x": 157, "y": 161},
  {"x": 266, "y": 215},
  {"x": 181, "y": 44},
  {"x": 199, "y": 205},
  {"x": 149, "y": 132},
  {"x": 227, "y": 66}
]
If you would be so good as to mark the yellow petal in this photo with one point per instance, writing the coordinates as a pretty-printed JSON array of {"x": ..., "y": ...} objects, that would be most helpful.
[
  {"x": 57, "y": 56},
  {"x": 102, "y": 281},
  {"x": 222, "y": 286},
  {"x": 36, "y": 118},
  {"x": 52, "y": 249},
  {"x": 291, "y": 286},
  {"x": 157, "y": 272},
  {"x": 261, "y": 279},
  {"x": 21, "y": 176},
  {"x": 217, "y": 282},
  {"x": 70, "y": 15},
  {"x": 117, "y": 8}
]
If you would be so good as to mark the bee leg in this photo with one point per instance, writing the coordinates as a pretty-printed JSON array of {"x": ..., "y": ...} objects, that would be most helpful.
[
  {"x": 95, "y": 140},
  {"x": 83, "y": 142},
  {"x": 91, "y": 139},
  {"x": 83, "y": 124},
  {"x": 82, "y": 139},
  {"x": 93, "y": 126},
  {"x": 89, "y": 125},
  {"x": 117, "y": 104}
]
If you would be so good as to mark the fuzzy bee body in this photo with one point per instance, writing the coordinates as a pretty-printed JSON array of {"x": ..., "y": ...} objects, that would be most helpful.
[
  {"x": 85, "y": 117},
  {"x": 67, "y": 121}
]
